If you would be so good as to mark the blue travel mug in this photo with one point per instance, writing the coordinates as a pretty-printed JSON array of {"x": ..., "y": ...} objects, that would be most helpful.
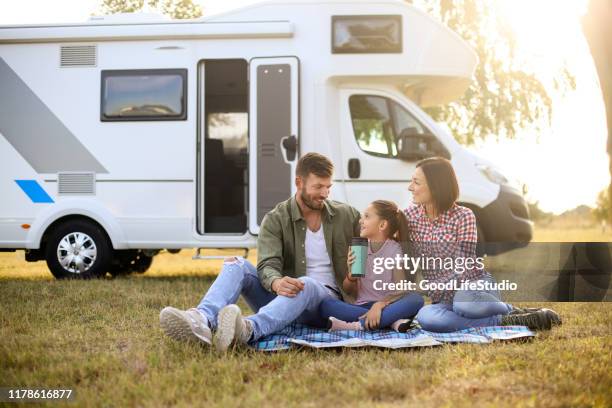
[{"x": 359, "y": 246}]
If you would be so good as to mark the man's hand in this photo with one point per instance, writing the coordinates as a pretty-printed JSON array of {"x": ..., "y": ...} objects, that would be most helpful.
[
  {"x": 372, "y": 316},
  {"x": 287, "y": 286}
]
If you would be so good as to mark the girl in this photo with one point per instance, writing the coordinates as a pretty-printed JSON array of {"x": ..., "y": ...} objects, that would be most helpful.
[
  {"x": 385, "y": 227},
  {"x": 441, "y": 228}
]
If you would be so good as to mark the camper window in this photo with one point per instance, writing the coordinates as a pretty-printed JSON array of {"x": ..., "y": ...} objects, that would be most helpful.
[
  {"x": 136, "y": 95},
  {"x": 368, "y": 34}
]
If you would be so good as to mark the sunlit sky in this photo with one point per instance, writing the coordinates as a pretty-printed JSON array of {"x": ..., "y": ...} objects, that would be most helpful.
[{"x": 569, "y": 164}]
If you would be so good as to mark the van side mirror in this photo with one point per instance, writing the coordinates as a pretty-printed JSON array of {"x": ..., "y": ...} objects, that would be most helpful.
[{"x": 413, "y": 145}]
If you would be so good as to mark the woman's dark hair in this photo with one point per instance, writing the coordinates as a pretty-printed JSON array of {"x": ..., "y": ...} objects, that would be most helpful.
[
  {"x": 398, "y": 224},
  {"x": 441, "y": 180}
]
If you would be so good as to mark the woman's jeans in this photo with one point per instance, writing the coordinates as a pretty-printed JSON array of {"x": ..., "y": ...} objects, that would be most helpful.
[
  {"x": 272, "y": 312},
  {"x": 470, "y": 308},
  {"x": 403, "y": 308}
]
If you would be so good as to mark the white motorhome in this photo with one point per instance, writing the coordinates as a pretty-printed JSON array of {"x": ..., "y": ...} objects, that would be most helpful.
[{"x": 129, "y": 134}]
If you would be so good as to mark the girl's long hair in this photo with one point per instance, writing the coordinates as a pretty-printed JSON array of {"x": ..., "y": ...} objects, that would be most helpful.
[{"x": 398, "y": 223}]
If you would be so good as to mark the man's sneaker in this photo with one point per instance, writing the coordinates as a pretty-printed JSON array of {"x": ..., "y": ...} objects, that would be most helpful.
[
  {"x": 185, "y": 325},
  {"x": 538, "y": 320},
  {"x": 232, "y": 328},
  {"x": 554, "y": 316}
]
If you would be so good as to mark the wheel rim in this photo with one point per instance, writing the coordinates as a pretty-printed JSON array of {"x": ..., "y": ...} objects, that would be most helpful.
[{"x": 76, "y": 252}]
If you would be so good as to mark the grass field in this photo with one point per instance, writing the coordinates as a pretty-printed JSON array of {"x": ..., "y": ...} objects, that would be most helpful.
[
  {"x": 102, "y": 339},
  {"x": 570, "y": 231}
]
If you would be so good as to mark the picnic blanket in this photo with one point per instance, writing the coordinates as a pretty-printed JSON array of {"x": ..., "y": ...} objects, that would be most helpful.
[{"x": 301, "y": 335}]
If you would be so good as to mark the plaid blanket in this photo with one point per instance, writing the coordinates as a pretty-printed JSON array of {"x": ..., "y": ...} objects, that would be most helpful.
[{"x": 298, "y": 334}]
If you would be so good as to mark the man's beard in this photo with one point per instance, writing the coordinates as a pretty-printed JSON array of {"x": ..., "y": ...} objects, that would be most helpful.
[{"x": 310, "y": 203}]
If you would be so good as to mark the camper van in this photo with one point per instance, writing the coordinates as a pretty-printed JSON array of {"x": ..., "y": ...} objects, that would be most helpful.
[{"x": 130, "y": 134}]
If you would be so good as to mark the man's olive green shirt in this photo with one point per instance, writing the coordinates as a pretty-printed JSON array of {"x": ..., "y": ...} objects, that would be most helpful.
[{"x": 282, "y": 237}]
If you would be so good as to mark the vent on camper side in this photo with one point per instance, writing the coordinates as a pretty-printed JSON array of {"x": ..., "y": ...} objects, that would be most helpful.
[
  {"x": 267, "y": 150},
  {"x": 76, "y": 183},
  {"x": 78, "y": 55}
]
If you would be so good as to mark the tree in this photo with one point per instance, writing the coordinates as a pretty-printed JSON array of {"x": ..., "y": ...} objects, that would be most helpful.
[
  {"x": 504, "y": 97},
  {"x": 603, "y": 209},
  {"x": 179, "y": 9},
  {"x": 597, "y": 29}
]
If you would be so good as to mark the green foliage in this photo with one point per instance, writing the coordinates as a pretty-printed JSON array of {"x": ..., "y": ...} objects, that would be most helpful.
[
  {"x": 603, "y": 210},
  {"x": 179, "y": 9},
  {"x": 505, "y": 97}
]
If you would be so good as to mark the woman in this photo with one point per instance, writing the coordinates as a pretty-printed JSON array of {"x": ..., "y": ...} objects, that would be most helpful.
[{"x": 439, "y": 228}]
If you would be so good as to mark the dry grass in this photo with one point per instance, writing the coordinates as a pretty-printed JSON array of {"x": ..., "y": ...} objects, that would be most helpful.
[
  {"x": 563, "y": 230},
  {"x": 102, "y": 339}
]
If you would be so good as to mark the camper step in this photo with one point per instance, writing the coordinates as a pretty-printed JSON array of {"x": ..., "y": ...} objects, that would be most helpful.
[{"x": 199, "y": 256}]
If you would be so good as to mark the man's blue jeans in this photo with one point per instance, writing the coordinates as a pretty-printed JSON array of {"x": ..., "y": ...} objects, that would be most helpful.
[
  {"x": 272, "y": 312},
  {"x": 403, "y": 308},
  {"x": 470, "y": 308}
]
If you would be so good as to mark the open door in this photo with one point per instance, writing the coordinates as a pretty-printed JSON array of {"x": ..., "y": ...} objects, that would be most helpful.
[
  {"x": 273, "y": 142},
  {"x": 222, "y": 153}
]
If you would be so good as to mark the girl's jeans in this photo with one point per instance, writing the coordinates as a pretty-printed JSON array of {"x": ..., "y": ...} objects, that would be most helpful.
[{"x": 403, "y": 308}]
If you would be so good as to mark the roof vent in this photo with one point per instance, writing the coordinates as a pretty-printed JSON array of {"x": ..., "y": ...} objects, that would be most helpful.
[{"x": 78, "y": 55}]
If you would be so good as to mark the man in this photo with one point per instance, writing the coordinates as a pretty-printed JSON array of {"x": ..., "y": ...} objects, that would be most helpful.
[{"x": 302, "y": 252}]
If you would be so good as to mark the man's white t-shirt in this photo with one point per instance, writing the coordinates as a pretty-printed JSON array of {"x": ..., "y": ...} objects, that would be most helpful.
[{"x": 318, "y": 262}]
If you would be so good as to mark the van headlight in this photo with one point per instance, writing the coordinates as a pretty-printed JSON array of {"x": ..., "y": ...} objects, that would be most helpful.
[{"x": 492, "y": 174}]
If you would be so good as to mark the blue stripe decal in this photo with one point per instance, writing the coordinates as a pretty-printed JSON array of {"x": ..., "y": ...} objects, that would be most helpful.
[{"x": 34, "y": 191}]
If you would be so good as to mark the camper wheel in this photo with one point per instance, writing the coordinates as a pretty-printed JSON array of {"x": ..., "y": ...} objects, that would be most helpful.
[
  {"x": 78, "y": 249},
  {"x": 128, "y": 261}
]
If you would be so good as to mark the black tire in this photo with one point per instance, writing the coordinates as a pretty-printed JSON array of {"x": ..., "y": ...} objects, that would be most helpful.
[
  {"x": 142, "y": 264},
  {"x": 129, "y": 261},
  {"x": 94, "y": 253}
]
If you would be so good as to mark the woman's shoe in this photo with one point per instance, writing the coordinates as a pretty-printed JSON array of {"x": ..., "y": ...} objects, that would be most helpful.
[
  {"x": 554, "y": 316},
  {"x": 403, "y": 325},
  {"x": 538, "y": 320}
]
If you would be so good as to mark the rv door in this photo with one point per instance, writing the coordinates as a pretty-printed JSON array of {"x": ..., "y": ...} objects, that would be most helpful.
[{"x": 273, "y": 141}]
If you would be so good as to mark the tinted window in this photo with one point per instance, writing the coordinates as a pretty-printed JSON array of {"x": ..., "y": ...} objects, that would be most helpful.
[
  {"x": 144, "y": 95},
  {"x": 367, "y": 34}
]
